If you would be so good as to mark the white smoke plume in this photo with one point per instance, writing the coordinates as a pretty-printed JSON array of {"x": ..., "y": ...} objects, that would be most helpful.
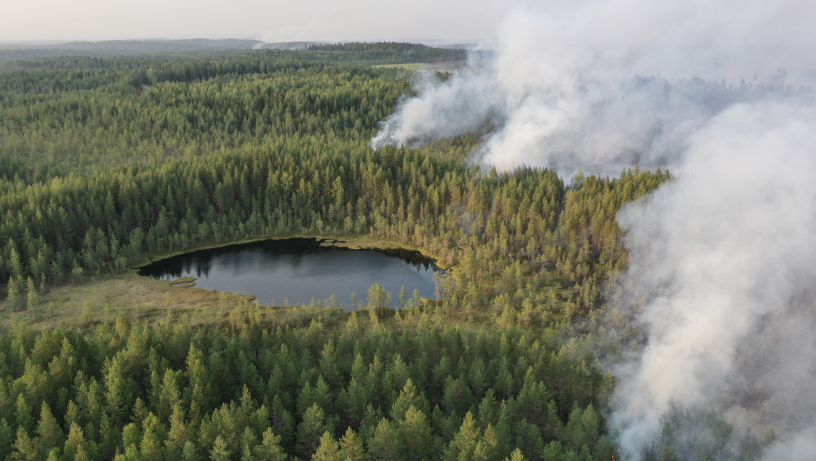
[
  {"x": 562, "y": 87},
  {"x": 721, "y": 251},
  {"x": 723, "y": 258}
]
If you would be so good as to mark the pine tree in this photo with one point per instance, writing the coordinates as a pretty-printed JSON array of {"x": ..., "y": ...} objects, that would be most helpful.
[
  {"x": 248, "y": 444},
  {"x": 310, "y": 430},
  {"x": 554, "y": 451},
  {"x": 487, "y": 448},
  {"x": 151, "y": 447},
  {"x": 200, "y": 384},
  {"x": 189, "y": 453},
  {"x": 116, "y": 391},
  {"x": 220, "y": 450},
  {"x": 25, "y": 448},
  {"x": 464, "y": 442},
  {"x": 403, "y": 297},
  {"x": 408, "y": 397},
  {"x": 269, "y": 449},
  {"x": 384, "y": 443},
  {"x": 75, "y": 448},
  {"x": 109, "y": 438},
  {"x": 131, "y": 437},
  {"x": 49, "y": 431},
  {"x": 31, "y": 296},
  {"x": 13, "y": 290},
  {"x": 417, "y": 436},
  {"x": 177, "y": 438},
  {"x": 503, "y": 430},
  {"x": 515, "y": 456},
  {"x": 6, "y": 438},
  {"x": 25, "y": 420},
  {"x": 328, "y": 449},
  {"x": 351, "y": 447}
]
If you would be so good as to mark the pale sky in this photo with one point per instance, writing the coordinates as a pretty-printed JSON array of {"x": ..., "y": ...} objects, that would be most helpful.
[{"x": 269, "y": 20}]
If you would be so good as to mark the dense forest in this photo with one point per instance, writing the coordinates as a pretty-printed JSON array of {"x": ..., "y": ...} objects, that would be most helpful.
[{"x": 105, "y": 161}]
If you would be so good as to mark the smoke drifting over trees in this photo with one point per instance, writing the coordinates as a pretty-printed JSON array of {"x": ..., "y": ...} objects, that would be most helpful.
[
  {"x": 722, "y": 257},
  {"x": 591, "y": 85},
  {"x": 720, "y": 260}
]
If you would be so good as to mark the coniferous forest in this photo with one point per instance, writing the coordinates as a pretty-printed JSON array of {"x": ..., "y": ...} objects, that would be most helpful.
[{"x": 105, "y": 161}]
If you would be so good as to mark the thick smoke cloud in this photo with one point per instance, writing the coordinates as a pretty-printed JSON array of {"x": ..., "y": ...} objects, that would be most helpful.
[
  {"x": 723, "y": 250},
  {"x": 723, "y": 258},
  {"x": 562, "y": 90}
]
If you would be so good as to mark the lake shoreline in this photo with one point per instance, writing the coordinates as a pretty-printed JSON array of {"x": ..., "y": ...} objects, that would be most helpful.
[{"x": 352, "y": 242}]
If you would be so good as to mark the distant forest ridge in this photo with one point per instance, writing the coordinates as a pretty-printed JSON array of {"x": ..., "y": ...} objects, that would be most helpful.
[
  {"x": 10, "y": 51},
  {"x": 411, "y": 52}
]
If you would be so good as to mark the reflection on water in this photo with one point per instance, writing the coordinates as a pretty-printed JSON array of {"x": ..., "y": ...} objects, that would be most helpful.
[{"x": 299, "y": 269}]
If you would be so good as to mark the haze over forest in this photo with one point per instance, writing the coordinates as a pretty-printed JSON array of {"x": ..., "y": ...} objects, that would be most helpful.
[{"x": 620, "y": 193}]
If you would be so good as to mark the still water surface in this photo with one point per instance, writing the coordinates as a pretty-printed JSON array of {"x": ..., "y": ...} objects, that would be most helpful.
[{"x": 299, "y": 269}]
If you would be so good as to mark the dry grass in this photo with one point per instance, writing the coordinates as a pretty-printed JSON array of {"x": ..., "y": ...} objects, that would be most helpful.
[
  {"x": 139, "y": 298},
  {"x": 182, "y": 280},
  {"x": 142, "y": 299}
]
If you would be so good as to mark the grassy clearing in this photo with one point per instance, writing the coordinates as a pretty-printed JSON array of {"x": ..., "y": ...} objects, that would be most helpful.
[
  {"x": 182, "y": 280},
  {"x": 138, "y": 298},
  {"x": 145, "y": 300}
]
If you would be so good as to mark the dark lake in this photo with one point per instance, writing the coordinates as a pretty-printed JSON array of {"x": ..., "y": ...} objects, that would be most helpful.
[{"x": 298, "y": 269}]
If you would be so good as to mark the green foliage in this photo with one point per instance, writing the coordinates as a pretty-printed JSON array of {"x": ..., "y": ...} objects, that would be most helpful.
[
  {"x": 250, "y": 146},
  {"x": 122, "y": 398},
  {"x": 107, "y": 161}
]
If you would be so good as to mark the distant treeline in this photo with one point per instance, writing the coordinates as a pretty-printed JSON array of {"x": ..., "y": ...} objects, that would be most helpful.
[
  {"x": 391, "y": 51},
  {"x": 109, "y": 48},
  {"x": 350, "y": 53}
]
